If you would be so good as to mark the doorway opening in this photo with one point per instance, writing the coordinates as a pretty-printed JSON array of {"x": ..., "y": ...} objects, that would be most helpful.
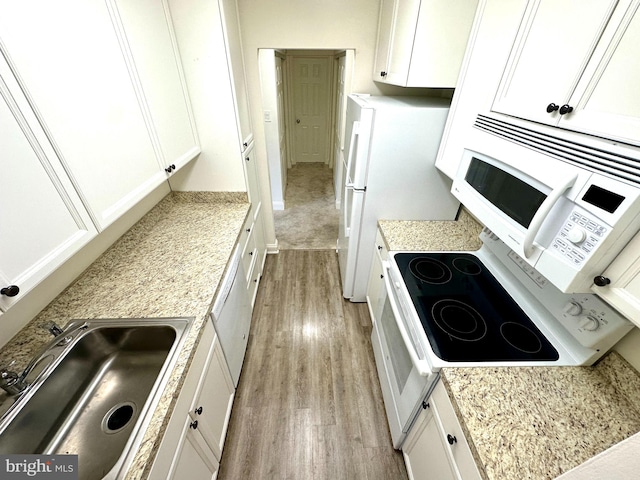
[{"x": 304, "y": 102}]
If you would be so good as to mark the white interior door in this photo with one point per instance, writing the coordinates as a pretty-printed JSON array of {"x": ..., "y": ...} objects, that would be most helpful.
[{"x": 311, "y": 109}]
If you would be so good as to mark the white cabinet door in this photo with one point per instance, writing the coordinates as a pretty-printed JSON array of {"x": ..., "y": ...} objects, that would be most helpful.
[
  {"x": 211, "y": 407},
  {"x": 623, "y": 291},
  {"x": 550, "y": 52},
  {"x": 421, "y": 43},
  {"x": 231, "y": 29},
  {"x": 42, "y": 221},
  {"x": 71, "y": 65},
  {"x": 192, "y": 442},
  {"x": 435, "y": 447},
  {"x": 156, "y": 61},
  {"x": 425, "y": 451},
  {"x": 403, "y": 32},
  {"x": 376, "y": 293},
  {"x": 606, "y": 101},
  {"x": 572, "y": 66},
  {"x": 194, "y": 459},
  {"x": 385, "y": 31}
]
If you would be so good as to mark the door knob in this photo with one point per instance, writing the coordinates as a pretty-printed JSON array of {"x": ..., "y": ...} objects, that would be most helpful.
[{"x": 552, "y": 107}]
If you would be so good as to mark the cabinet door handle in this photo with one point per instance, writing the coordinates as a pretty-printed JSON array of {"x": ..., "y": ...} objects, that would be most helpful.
[
  {"x": 198, "y": 410},
  {"x": 552, "y": 107},
  {"x": 425, "y": 405},
  {"x": 194, "y": 424},
  {"x": 383, "y": 74},
  {"x": 451, "y": 439},
  {"x": 566, "y": 108},
  {"x": 10, "y": 291}
]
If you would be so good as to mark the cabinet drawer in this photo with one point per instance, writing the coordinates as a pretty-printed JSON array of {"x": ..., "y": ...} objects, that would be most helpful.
[{"x": 460, "y": 449}]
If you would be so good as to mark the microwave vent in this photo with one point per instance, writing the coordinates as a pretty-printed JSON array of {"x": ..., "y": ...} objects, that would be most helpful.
[{"x": 581, "y": 154}]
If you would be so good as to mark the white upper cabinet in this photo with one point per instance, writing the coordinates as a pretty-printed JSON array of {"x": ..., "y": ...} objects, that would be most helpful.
[
  {"x": 233, "y": 43},
  {"x": 421, "y": 43},
  {"x": 42, "y": 220},
  {"x": 156, "y": 62},
  {"x": 84, "y": 77},
  {"x": 572, "y": 66}
]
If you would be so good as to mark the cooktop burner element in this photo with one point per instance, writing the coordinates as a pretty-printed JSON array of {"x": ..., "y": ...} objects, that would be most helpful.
[
  {"x": 459, "y": 320},
  {"x": 430, "y": 270},
  {"x": 466, "y": 314}
]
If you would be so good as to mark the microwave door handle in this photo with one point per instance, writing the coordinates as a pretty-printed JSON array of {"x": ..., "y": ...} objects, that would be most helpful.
[
  {"x": 540, "y": 216},
  {"x": 421, "y": 364},
  {"x": 354, "y": 134}
]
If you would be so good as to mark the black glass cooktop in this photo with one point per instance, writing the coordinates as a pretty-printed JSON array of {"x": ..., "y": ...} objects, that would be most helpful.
[{"x": 467, "y": 315}]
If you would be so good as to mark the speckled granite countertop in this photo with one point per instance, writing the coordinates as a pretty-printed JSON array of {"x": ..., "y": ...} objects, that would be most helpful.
[
  {"x": 436, "y": 235},
  {"x": 169, "y": 264},
  {"x": 528, "y": 422},
  {"x": 539, "y": 422}
]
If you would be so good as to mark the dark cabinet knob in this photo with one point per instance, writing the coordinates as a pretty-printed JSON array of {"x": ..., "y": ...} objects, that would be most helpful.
[
  {"x": 10, "y": 291},
  {"x": 170, "y": 168},
  {"x": 194, "y": 424},
  {"x": 451, "y": 439},
  {"x": 198, "y": 410},
  {"x": 552, "y": 107},
  {"x": 379, "y": 247},
  {"x": 247, "y": 158},
  {"x": 425, "y": 405},
  {"x": 601, "y": 281},
  {"x": 566, "y": 108},
  {"x": 383, "y": 74},
  {"x": 248, "y": 230},
  {"x": 245, "y": 144}
]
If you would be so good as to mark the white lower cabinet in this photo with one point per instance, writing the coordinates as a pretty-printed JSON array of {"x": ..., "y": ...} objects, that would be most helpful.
[
  {"x": 194, "y": 438},
  {"x": 436, "y": 447},
  {"x": 194, "y": 459},
  {"x": 376, "y": 293}
]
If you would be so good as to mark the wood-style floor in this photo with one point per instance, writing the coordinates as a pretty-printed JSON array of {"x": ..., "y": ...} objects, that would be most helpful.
[{"x": 308, "y": 405}]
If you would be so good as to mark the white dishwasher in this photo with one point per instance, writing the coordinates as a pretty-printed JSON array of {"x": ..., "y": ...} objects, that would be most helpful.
[{"x": 231, "y": 315}]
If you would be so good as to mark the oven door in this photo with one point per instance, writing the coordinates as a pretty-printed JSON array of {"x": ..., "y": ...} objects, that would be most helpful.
[{"x": 405, "y": 379}]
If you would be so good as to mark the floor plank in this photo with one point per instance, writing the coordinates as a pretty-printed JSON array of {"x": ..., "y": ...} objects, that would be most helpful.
[{"x": 308, "y": 404}]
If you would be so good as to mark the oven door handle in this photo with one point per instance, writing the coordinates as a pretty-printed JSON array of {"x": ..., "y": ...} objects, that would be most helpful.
[
  {"x": 541, "y": 214},
  {"x": 422, "y": 366}
]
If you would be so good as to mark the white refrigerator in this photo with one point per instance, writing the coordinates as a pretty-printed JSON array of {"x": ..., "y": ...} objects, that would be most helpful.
[{"x": 388, "y": 173}]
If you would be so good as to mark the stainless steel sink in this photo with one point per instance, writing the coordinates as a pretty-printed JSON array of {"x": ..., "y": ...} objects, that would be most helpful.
[{"x": 95, "y": 393}]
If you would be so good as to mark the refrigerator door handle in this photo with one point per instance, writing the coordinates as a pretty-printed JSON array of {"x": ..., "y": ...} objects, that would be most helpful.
[{"x": 354, "y": 134}]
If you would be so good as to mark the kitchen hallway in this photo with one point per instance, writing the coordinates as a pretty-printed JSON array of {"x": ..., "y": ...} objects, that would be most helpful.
[
  {"x": 310, "y": 218},
  {"x": 308, "y": 405}
]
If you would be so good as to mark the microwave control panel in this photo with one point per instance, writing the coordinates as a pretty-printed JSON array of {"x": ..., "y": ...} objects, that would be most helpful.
[{"x": 579, "y": 237}]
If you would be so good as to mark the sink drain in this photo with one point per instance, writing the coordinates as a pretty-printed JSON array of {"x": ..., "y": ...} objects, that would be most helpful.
[{"x": 118, "y": 417}]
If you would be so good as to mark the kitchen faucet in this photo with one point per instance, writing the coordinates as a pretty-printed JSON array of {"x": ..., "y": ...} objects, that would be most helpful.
[{"x": 14, "y": 383}]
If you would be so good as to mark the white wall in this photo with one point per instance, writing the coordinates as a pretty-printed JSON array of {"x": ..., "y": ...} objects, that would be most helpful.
[{"x": 307, "y": 24}]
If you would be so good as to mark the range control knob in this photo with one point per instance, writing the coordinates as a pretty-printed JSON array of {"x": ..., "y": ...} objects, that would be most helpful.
[
  {"x": 576, "y": 235},
  {"x": 589, "y": 323},
  {"x": 572, "y": 308}
]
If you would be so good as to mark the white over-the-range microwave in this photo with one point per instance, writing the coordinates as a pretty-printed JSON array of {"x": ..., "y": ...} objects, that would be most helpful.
[{"x": 566, "y": 221}]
